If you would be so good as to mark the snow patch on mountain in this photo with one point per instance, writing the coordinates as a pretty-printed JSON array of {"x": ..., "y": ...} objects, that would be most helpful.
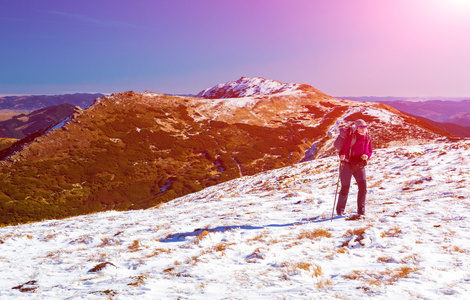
[
  {"x": 384, "y": 115},
  {"x": 246, "y": 87}
]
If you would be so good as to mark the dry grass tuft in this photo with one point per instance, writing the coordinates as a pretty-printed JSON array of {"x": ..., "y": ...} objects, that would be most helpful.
[
  {"x": 260, "y": 237},
  {"x": 200, "y": 237},
  {"x": 55, "y": 255},
  {"x": 414, "y": 258},
  {"x": 355, "y": 235},
  {"x": 387, "y": 277},
  {"x": 453, "y": 249},
  {"x": 172, "y": 271},
  {"x": 158, "y": 251},
  {"x": 357, "y": 231},
  {"x": 255, "y": 256},
  {"x": 109, "y": 242},
  {"x": 317, "y": 270},
  {"x": 289, "y": 268},
  {"x": 392, "y": 232},
  {"x": 135, "y": 246},
  {"x": 324, "y": 284},
  {"x": 139, "y": 280},
  {"x": 82, "y": 240},
  {"x": 385, "y": 259},
  {"x": 316, "y": 234},
  {"x": 108, "y": 293},
  {"x": 50, "y": 236},
  {"x": 221, "y": 247}
]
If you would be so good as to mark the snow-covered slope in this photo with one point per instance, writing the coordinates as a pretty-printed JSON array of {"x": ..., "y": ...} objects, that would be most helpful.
[
  {"x": 267, "y": 236},
  {"x": 247, "y": 87}
]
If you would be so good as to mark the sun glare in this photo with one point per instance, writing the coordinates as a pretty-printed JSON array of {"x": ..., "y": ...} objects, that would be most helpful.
[
  {"x": 459, "y": 6},
  {"x": 449, "y": 11},
  {"x": 459, "y": 3}
]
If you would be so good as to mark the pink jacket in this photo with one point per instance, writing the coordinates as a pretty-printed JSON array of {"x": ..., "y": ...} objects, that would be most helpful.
[{"x": 363, "y": 145}]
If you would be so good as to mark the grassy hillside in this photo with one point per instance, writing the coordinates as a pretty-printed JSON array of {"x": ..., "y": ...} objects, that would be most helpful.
[
  {"x": 6, "y": 142},
  {"x": 133, "y": 151},
  {"x": 118, "y": 156},
  {"x": 19, "y": 126}
]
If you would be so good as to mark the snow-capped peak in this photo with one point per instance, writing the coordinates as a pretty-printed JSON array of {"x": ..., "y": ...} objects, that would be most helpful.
[{"x": 246, "y": 87}]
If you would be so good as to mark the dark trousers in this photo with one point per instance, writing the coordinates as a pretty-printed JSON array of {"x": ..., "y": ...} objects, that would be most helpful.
[{"x": 345, "y": 176}]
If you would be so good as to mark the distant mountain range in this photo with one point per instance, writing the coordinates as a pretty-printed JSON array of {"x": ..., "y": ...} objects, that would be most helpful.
[
  {"x": 134, "y": 151},
  {"x": 21, "y": 125},
  {"x": 408, "y": 99},
  {"x": 450, "y": 110},
  {"x": 450, "y": 114},
  {"x": 31, "y": 103}
]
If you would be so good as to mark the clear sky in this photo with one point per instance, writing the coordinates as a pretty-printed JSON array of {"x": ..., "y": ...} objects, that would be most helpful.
[{"x": 341, "y": 47}]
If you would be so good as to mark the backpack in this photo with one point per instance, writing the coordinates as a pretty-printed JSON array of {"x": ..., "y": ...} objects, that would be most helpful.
[{"x": 344, "y": 132}]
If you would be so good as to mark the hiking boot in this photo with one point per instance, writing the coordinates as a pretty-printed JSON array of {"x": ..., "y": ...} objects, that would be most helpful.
[{"x": 355, "y": 217}]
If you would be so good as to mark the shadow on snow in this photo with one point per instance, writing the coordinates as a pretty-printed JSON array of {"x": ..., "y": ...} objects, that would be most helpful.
[{"x": 181, "y": 237}]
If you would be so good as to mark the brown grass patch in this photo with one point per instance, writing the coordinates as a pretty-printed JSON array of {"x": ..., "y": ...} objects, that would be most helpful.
[
  {"x": 316, "y": 234},
  {"x": 139, "y": 280},
  {"x": 200, "y": 237},
  {"x": 455, "y": 249},
  {"x": 355, "y": 235},
  {"x": 82, "y": 240},
  {"x": 387, "y": 259},
  {"x": 135, "y": 246},
  {"x": 109, "y": 242},
  {"x": 158, "y": 251},
  {"x": 387, "y": 277},
  {"x": 392, "y": 232},
  {"x": 357, "y": 231},
  {"x": 260, "y": 237},
  {"x": 324, "y": 284},
  {"x": 255, "y": 256},
  {"x": 414, "y": 258},
  {"x": 290, "y": 268},
  {"x": 222, "y": 246}
]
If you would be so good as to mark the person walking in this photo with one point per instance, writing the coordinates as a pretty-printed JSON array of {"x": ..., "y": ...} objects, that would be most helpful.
[{"x": 356, "y": 151}]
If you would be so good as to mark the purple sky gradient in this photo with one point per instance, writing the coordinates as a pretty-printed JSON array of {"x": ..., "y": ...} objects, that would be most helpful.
[{"x": 341, "y": 47}]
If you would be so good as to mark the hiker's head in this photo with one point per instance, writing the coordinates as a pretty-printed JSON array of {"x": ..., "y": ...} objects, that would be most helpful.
[{"x": 361, "y": 126}]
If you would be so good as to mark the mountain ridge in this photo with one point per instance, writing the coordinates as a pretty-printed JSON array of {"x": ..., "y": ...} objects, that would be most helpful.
[{"x": 136, "y": 150}]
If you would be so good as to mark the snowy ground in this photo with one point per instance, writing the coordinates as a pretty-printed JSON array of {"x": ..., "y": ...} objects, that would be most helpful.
[{"x": 267, "y": 236}]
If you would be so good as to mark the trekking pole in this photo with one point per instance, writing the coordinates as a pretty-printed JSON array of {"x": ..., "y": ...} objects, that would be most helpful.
[{"x": 336, "y": 194}]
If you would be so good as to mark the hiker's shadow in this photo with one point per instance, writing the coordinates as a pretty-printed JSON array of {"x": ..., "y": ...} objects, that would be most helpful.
[{"x": 181, "y": 236}]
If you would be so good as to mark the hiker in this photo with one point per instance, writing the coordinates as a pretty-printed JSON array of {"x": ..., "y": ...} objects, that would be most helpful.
[{"x": 354, "y": 154}]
